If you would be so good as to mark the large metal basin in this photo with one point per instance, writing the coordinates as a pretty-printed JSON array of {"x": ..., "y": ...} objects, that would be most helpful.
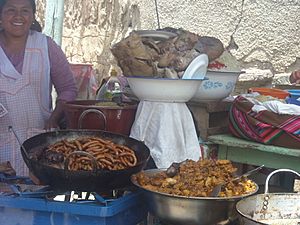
[
  {"x": 283, "y": 209},
  {"x": 179, "y": 210},
  {"x": 270, "y": 209}
]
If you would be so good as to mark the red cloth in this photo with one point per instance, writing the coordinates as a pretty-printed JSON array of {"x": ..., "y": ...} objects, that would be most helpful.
[{"x": 264, "y": 127}]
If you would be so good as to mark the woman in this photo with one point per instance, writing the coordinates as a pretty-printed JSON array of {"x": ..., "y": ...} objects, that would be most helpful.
[
  {"x": 295, "y": 77},
  {"x": 30, "y": 63}
]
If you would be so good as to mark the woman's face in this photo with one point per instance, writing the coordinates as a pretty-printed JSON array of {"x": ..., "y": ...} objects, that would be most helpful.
[{"x": 17, "y": 17}]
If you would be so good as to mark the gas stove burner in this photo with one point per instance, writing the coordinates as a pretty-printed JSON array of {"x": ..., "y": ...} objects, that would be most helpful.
[{"x": 99, "y": 197}]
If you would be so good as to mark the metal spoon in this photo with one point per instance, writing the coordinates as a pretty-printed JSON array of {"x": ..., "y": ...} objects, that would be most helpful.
[
  {"x": 174, "y": 168},
  {"x": 10, "y": 128},
  {"x": 216, "y": 190}
]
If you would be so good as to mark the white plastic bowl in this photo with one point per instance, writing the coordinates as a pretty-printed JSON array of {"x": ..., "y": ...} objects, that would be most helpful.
[
  {"x": 218, "y": 86},
  {"x": 163, "y": 89}
]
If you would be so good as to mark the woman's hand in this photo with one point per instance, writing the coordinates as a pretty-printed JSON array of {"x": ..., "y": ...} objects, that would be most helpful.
[
  {"x": 57, "y": 114},
  {"x": 51, "y": 123},
  {"x": 295, "y": 77}
]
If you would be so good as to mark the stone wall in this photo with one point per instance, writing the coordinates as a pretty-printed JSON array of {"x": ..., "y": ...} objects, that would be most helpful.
[
  {"x": 262, "y": 34},
  {"x": 91, "y": 27}
]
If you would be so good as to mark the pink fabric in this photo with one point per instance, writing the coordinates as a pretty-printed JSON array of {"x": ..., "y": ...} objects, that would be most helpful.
[{"x": 60, "y": 72}]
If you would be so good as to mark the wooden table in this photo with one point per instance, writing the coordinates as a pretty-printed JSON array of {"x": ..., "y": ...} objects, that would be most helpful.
[
  {"x": 248, "y": 152},
  {"x": 253, "y": 153}
]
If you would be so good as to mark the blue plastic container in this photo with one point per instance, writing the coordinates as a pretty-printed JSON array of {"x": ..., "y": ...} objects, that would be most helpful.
[
  {"x": 294, "y": 97},
  {"x": 127, "y": 210}
]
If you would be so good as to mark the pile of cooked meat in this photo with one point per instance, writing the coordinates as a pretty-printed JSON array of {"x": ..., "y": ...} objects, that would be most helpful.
[
  {"x": 139, "y": 55},
  {"x": 197, "y": 179}
]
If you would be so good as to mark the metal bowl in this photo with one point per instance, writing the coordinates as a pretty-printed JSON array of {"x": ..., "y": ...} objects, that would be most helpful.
[
  {"x": 156, "y": 35},
  {"x": 283, "y": 209},
  {"x": 180, "y": 210},
  {"x": 274, "y": 208}
]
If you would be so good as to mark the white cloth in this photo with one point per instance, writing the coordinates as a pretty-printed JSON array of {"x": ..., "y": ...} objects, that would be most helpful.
[
  {"x": 168, "y": 130},
  {"x": 26, "y": 97},
  {"x": 277, "y": 107}
]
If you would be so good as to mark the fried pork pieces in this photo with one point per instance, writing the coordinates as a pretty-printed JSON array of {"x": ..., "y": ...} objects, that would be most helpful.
[{"x": 197, "y": 179}]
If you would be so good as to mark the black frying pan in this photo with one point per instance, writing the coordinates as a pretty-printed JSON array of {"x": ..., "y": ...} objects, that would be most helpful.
[{"x": 66, "y": 180}]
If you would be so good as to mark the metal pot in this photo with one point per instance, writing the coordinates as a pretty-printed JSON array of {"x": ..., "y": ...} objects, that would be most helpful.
[
  {"x": 66, "y": 180},
  {"x": 180, "y": 210},
  {"x": 275, "y": 208},
  {"x": 85, "y": 114}
]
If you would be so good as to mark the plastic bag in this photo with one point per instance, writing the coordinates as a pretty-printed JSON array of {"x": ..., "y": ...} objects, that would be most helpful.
[
  {"x": 85, "y": 80},
  {"x": 115, "y": 88},
  {"x": 110, "y": 89}
]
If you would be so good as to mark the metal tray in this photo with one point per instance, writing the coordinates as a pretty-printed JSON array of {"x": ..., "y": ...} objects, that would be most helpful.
[{"x": 156, "y": 34}]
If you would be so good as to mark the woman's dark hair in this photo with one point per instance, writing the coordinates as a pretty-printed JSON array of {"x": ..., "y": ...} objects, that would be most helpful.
[{"x": 32, "y": 3}]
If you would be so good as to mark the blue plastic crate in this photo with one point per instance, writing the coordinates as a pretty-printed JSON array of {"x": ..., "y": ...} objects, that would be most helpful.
[
  {"x": 127, "y": 210},
  {"x": 294, "y": 97}
]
